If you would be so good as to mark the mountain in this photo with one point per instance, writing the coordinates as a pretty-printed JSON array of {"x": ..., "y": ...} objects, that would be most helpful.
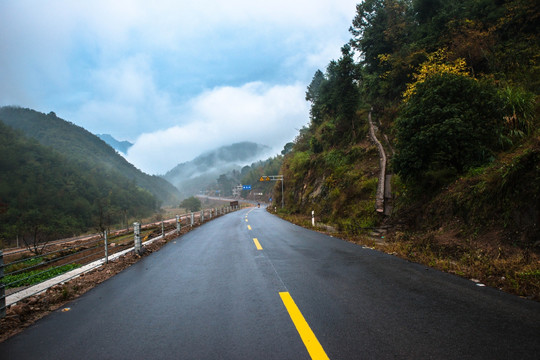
[
  {"x": 45, "y": 195},
  {"x": 451, "y": 90},
  {"x": 121, "y": 146},
  {"x": 78, "y": 144},
  {"x": 456, "y": 111},
  {"x": 195, "y": 175}
]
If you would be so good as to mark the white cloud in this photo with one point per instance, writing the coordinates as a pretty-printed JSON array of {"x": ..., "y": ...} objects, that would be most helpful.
[
  {"x": 269, "y": 115},
  {"x": 132, "y": 67},
  {"x": 126, "y": 95}
]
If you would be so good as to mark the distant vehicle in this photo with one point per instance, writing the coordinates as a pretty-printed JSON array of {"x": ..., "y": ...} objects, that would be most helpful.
[{"x": 258, "y": 204}]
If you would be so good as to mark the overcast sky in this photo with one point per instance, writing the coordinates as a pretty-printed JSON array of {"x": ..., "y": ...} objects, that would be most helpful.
[{"x": 175, "y": 77}]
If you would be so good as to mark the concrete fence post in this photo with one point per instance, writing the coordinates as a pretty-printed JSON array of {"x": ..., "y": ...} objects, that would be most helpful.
[
  {"x": 162, "y": 230},
  {"x": 2, "y": 288},
  {"x": 313, "y": 218},
  {"x": 106, "y": 247},
  {"x": 178, "y": 224},
  {"x": 192, "y": 219},
  {"x": 137, "y": 238},
  {"x": 201, "y": 218}
]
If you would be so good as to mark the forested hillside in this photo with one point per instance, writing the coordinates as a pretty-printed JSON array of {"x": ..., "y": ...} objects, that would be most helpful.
[
  {"x": 453, "y": 88},
  {"x": 199, "y": 174},
  {"x": 249, "y": 175},
  {"x": 79, "y": 145},
  {"x": 45, "y": 195}
]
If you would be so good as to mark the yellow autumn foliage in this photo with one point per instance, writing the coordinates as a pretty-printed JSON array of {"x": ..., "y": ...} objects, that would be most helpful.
[{"x": 437, "y": 63}]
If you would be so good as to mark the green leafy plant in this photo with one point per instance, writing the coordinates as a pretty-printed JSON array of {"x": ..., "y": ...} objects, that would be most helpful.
[
  {"x": 36, "y": 276},
  {"x": 449, "y": 124},
  {"x": 191, "y": 204}
]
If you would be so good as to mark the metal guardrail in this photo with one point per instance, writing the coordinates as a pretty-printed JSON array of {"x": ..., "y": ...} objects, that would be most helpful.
[{"x": 63, "y": 260}]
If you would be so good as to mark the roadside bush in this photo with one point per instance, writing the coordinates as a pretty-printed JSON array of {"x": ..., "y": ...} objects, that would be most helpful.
[
  {"x": 450, "y": 124},
  {"x": 191, "y": 204}
]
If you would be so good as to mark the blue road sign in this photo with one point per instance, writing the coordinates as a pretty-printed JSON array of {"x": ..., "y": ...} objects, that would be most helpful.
[{"x": 246, "y": 187}]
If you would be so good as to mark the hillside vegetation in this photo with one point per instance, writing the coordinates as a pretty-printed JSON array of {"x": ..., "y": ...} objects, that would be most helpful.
[
  {"x": 79, "y": 145},
  {"x": 45, "y": 195},
  {"x": 452, "y": 87},
  {"x": 250, "y": 175},
  {"x": 200, "y": 174}
]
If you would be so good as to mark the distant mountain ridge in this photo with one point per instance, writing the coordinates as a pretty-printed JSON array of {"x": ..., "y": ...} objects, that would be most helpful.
[
  {"x": 121, "y": 146},
  {"x": 78, "y": 144},
  {"x": 192, "y": 176}
]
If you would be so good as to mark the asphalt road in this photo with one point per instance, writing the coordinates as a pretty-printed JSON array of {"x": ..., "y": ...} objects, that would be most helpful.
[{"x": 212, "y": 294}]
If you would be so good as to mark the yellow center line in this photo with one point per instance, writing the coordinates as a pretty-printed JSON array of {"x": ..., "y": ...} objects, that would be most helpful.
[
  {"x": 311, "y": 343},
  {"x": 249, "y": 227},
  {"x": 257, "y": 244},
  {"x": 246, "y": 220}
]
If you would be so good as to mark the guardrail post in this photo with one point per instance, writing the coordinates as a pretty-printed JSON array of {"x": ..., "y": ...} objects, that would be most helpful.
[
  {"x": 137, "y": 237},
  {"x": 106, "y": 248},
  {"x": 178, "y": 224},
  {"x": 313, "y": 218},
  {"x": 202, "y": 216},
  {"x": 192, "y": 218},
  {"x": 2, "y": 288}
]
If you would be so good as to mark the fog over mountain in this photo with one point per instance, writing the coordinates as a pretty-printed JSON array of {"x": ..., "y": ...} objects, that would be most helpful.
[
  {"x": 121, "y": 146},
  {"x": 193, "y": 176}
]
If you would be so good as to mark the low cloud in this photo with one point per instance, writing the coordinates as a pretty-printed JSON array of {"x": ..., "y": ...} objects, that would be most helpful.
[
  {"x": 269, "y": 115},
  {"x": 177, "y": 77}
]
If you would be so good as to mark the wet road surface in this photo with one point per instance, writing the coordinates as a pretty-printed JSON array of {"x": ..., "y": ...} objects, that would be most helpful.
[{"x": 251, "y": 286}]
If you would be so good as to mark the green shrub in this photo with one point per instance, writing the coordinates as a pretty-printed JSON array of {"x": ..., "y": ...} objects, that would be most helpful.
[
  {"x": 450, "y": 124},
  {"x": 191, "y": 204}
]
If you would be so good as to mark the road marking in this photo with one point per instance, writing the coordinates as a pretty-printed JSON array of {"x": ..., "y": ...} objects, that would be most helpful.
[
  {"x": 257, "y": 244},
  {"x": 246, "y": 220},
  {"x": 249, "y": 227},
  {"x": 311, "y": 343}
]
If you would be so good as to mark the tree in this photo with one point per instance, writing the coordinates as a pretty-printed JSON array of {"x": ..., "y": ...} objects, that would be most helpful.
[
  {"x": 449, "y": 124},
  {"x": 191, "y": 204},
  {"x": 225, "y": 185},
  {"x": 334, "y": 99},
  {"x": 287, "y": 148},
  {"x": 313, "y": 94}
]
